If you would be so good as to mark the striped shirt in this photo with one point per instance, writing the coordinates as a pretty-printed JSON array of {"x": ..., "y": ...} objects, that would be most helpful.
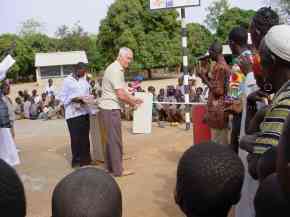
[{"x": 272, "y": 126}]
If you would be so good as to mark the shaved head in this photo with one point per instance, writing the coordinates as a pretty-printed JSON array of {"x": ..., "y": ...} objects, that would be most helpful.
[
  {"x": 209, "y": 180},
  {"x": 87, "y": 192}
]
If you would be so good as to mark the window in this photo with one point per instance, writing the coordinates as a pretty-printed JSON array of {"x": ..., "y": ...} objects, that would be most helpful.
[
  {"x": 68, "y": 69},
  {"x": 50, "y": 71}
]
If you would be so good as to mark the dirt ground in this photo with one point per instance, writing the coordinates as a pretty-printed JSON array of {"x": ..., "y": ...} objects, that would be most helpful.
[
  {"x": 45, "y": 160},
  {"x": 45, "y": 156}
]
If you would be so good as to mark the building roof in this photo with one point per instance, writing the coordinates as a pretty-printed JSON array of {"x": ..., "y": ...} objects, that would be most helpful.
[{"x": 60, "y": 58}]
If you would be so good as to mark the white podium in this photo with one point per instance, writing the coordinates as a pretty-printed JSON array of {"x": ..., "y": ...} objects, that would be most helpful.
[{"x": 142, "y": 117}]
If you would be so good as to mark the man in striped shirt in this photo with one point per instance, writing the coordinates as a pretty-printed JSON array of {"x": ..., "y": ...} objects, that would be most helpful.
[
  {"x": 272, "y": 125},
  {"x": 275, "y": 61}
]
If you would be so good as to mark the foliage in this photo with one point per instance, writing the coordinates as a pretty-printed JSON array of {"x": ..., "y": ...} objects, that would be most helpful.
[
  {"x": 31, "y": 26},
  {"x": 199, "y": 38},
  {"x": 215, "y": 10},
  {"x": 232, "y": 18},
  {"x": 154, "y": 36},
  {"x": 23, "y": 55},
  {"x": 76, "y": 38},
  {"x": 286, "y": 4}
]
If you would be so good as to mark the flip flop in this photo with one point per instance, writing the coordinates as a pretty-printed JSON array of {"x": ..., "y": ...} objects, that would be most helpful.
[
  {"x": 129, "y": 158},
  {"x": 126, "y": 173}
]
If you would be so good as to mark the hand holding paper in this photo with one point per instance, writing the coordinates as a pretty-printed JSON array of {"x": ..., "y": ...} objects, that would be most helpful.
[{"x": 5, "y": 65}]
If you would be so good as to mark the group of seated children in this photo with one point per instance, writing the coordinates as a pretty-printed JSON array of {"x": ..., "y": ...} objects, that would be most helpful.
[
  {"x": 167, "y": 112},
  {"x": 35, "y": 107}
]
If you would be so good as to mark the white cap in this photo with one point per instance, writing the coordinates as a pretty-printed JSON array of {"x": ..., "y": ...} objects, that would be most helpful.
[{"x": 278, "y": 41}]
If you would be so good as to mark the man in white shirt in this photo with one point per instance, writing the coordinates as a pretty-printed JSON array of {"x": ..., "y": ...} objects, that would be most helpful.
[
  {"x": 113, "y": 94},
  {"x": 49, "y": 90},
  {"x": 73, "y": 95}
]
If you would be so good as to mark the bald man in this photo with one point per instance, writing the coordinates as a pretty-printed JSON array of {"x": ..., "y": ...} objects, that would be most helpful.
[{"x": 114, "y": 94}]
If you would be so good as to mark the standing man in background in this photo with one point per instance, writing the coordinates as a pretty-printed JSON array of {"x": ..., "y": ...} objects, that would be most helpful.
[
  {"x": 113, "y": 95},
  {"x": 50, "y": 90},
  {"x": 217, "y": 118},
  {"x": 73, "y": 95},
  {"x": 238, "y": 42}
]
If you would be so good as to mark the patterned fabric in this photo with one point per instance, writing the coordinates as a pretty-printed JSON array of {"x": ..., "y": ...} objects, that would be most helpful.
[
  {"x": 237, "y": 78},
  {"x": 236, "y": 81},
  {"x": 216, "y": 117},
  {"x": 273, "y": 123}
]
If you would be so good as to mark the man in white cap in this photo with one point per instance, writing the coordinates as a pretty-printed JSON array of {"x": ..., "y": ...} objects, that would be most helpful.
[{"x": 275, "y": 61}]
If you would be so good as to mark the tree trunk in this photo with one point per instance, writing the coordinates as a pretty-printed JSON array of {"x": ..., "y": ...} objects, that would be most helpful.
[{"x": 149, "y": 71}]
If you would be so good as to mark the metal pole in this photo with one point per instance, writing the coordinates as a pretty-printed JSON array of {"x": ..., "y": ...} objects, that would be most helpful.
[{"x": 185, "y": 67}]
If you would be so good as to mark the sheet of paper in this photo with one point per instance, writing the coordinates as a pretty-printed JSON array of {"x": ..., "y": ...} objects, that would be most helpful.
[
  {"x": 5, "y": 65},
  {"x": 142, "y": 117}
]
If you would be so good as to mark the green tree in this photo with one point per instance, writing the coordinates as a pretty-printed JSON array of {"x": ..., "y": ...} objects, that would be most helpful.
[
  {"x": 23, "y": 68},
  {"x": 285, "y": 4},
  {"x": 283, "y": 9},
  {"x": 40, "y": 43},
  {"x": 76, "y": 38},
  {"x": 31, "y": 26},
  {"x": 216, "y": 9},
  {"x": 199, "y": 38},
  {"x": 154, "y": 36},
  {"x": 62, "y": 31},
  {"x": 232, "y": 18}
]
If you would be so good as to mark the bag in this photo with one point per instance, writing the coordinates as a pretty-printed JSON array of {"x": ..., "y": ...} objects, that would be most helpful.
[{"x": 4, "y": 115}]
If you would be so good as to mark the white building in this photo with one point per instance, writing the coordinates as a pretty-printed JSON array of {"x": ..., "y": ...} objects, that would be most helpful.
[{"x": 57, "y": 64}]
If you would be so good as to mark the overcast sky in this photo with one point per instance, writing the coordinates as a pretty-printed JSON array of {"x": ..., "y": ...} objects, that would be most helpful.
[{"x": 54, "y": 13}]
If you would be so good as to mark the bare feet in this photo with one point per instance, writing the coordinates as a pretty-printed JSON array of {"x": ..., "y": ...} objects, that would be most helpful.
[
  {"x": 126, "y": 173},
  {"x": 128, "y": 158}
]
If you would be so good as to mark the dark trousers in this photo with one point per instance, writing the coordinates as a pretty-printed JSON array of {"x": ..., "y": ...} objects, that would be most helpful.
[
  {"x": 111, "y": 123},
  {"x": 79, "y": 129},
  {"x": 235, "y": 135}
]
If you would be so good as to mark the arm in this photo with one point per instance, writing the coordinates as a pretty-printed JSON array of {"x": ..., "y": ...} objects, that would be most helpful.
[
  {"x": 202, "y": 72},
  {"x": 253, "y": 123},
  {"x": 127, "y": 98},
  {"x": 206, "y": 80},
  {"x": 283, "y": 159},
  {"x": 248, "y": 142},
  {"x": 219, "y": 88},
  {"x": 65, "y": 95}
]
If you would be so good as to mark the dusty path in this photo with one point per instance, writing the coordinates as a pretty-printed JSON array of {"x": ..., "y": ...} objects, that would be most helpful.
[{"x": 45, "y": 158}]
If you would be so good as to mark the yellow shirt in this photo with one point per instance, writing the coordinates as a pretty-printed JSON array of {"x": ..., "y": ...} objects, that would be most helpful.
[{"x": 113, "y": 79}]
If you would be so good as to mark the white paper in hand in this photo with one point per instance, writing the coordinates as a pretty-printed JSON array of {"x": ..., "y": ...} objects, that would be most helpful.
[
  {"x": 142, "y": 118},
  {"x": 5, "y": 65}
]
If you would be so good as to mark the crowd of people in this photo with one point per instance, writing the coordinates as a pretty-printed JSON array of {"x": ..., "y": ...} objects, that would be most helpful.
[
  {"x": 248, "y": 111},
  {"x": 33, "y": 106},
  {"x": 172, "y": 113}
]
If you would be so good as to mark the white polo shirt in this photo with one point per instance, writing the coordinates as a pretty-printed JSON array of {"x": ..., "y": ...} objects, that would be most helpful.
[
  {"x": 113, "y": 79},
  {"x": 73, "y": 88}
]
